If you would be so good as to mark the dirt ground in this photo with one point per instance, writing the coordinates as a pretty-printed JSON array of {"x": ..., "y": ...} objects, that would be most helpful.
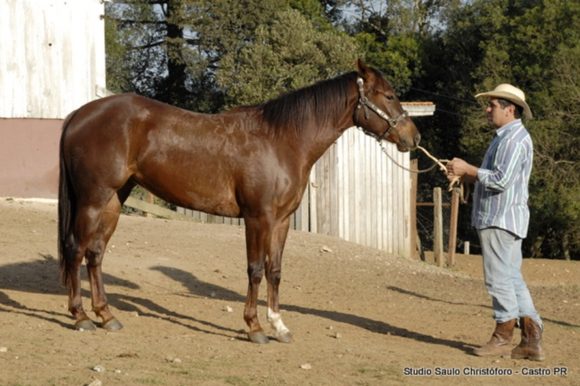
[{"x": 359, "y": 316}]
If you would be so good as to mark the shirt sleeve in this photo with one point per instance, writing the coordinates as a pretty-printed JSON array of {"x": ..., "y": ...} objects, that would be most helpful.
[{"x": 508, "y": 158}]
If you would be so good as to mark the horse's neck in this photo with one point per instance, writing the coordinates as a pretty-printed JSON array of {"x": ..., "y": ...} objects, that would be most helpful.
[{"x": 319, "y": 139}]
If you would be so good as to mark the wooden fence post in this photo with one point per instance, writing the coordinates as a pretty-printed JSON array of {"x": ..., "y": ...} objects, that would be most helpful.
[
  {"x": 453, "y": 227},
  {"x": 437, "y": 227}
]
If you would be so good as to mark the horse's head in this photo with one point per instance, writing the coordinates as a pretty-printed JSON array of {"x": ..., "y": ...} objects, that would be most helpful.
[{"x": 379, "y": 112}]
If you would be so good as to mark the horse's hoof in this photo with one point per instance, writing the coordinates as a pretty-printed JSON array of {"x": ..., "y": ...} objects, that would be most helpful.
[
  {"x": 85, "y": 325},
  {"x": 112, "y": 325},
  {"x": 285, "y": 337},
  {"x": 258, "y": 337}
]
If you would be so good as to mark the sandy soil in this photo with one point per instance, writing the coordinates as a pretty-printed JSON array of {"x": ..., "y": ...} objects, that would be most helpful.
[{"x": 359, "y": 316}]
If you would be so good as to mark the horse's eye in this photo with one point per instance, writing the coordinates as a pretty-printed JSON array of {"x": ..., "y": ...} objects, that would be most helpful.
[{"x": 390, "y": 97}]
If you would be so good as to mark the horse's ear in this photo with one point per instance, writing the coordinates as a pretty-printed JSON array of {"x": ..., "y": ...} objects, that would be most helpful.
[{"x": 364, "y": 71}]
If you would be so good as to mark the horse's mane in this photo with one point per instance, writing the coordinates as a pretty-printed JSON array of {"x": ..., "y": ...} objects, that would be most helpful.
[{"x": 315, "y": 105}]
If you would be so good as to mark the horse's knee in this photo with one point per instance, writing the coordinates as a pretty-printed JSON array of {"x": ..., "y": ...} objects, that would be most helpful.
[
  {"x": 274, "y": 276},
  {"x": 256, "y": 272},
  {"x": 94, "y": 254}
]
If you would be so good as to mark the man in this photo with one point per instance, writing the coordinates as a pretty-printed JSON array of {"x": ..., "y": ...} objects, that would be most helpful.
[{"x": 501, "y": 216}]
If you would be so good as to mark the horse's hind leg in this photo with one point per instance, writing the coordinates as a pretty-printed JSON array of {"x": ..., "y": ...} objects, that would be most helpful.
[
  {"x": 94, "y": 254},
  {"x": 86, "y": 224}
]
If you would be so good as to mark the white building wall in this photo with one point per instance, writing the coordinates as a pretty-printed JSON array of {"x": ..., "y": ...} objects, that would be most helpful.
[{"x": 52, "y": 56}]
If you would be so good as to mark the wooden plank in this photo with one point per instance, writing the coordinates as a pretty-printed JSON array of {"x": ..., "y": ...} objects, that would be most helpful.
[
  {"x": 399, "y": 207},
  {"x": 380, "y": 199},
  {"x": 453, "y": 227},
  {"x": 340, "y": 178},
  {"x": 334, "y": 214},
  {"x": 437, "y": 228},
  {"x": 156, "y": 210},
  {"x": 350, "y": 229},
  {"x": 355, "y": 210},
  {"x": 443, "y": 204},
  {"x": 414, "y": 252},
  {"x": 390, "y": 202},
  {"x": 313, "y": 200},
  {"x": 323, "y": 192},
  {"x": 304, "y": 210},
  {"x": 369, "y": 209},
  {"x": 406, "y": 209}
]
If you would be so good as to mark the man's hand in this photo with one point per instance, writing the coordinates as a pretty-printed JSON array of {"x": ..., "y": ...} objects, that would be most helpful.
[{"x": 459, "y": 168}]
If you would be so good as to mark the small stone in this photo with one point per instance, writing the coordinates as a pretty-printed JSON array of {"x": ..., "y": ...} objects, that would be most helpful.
[
  {"x": 325, "y": 249},
  {"x": 99, "y": 369},
  {"x": 306, "y": 366},
  {"x": 3, "y": 349},
  {"x": 228, "y": 309},
  {"x": 338, "y": 335}
]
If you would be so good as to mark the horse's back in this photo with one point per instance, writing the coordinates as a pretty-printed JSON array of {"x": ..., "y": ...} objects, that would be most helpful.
[{"x": 181, "y": 156}]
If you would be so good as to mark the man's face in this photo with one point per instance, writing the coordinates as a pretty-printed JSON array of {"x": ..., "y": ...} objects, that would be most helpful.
[{"x": 497, "y": 116}]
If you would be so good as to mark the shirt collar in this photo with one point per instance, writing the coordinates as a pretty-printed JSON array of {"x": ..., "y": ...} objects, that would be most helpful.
[{"x": 508, "y": 127}]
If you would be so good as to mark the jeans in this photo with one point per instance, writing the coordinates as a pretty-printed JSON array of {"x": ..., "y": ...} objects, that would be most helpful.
[{"x": 502, "y": 263}]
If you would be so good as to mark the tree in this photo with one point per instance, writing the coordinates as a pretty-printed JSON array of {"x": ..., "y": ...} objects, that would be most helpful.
[
  {"x": 288, "y": 53},
  {"x": 177, "y": 54}
]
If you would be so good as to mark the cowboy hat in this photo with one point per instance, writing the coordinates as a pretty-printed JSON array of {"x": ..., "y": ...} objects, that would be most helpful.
[{"x": 510, "y": 93}]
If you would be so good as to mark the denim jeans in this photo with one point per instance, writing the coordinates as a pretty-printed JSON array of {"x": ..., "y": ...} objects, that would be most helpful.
[{"x": 502, "y": 263}]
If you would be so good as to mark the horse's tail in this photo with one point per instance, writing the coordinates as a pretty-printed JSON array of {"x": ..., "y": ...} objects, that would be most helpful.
[{"x": 66, "y": 207}]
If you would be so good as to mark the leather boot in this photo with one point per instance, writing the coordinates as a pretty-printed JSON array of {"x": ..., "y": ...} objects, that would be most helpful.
[
  {"x": 500, "y": 342},
  {"x": 530, "y": 346}
]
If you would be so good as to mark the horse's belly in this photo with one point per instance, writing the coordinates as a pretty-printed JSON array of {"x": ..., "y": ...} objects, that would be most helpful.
[
  {"x": 206, "y": 190},
  {"x": 218, "y": 205}
]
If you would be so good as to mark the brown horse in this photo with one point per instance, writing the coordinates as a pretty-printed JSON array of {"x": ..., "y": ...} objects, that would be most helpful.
[{"x": 251, "y": 162}]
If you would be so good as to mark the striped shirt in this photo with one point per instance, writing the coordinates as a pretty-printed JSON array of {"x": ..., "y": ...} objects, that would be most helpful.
[{"x": 500, "y": 198}]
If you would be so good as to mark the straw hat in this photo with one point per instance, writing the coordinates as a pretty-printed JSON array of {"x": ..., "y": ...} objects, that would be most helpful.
[{"x": 512, "y": 94}]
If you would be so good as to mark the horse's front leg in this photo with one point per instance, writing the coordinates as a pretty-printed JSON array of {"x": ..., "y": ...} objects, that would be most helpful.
[
  {"x": 258, "y": 233},
  {"x": 273, "y": 276}
]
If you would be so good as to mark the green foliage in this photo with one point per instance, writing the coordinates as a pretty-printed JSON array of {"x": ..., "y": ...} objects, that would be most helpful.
[
  {"x": 398, "y": 57},
  {"x": 262, "y": 48},
  {"x": 117, "y": 72},
  {"x": 287, "y": 53}
]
